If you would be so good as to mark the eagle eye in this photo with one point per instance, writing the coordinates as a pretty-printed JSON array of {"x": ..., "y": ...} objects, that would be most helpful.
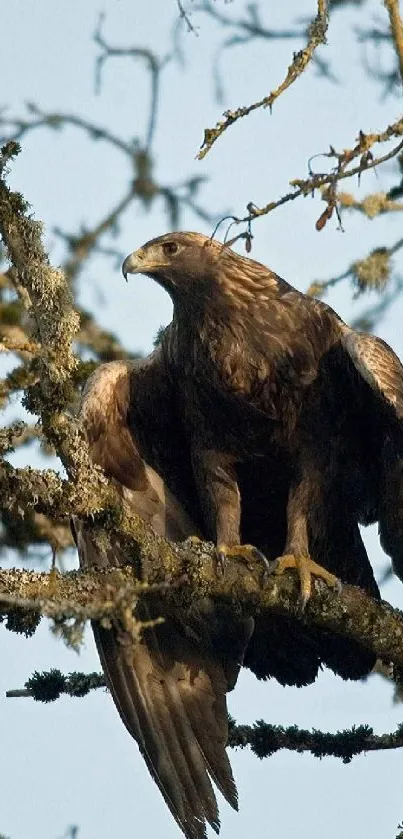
[{"x": 169, "y": 248}]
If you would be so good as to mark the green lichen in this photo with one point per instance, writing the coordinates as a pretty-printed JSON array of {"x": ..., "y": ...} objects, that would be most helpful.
[{"x": 373, "y": 272}]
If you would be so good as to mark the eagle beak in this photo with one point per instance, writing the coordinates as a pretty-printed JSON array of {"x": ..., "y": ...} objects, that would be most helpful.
[{"x": 135, "y": 263}]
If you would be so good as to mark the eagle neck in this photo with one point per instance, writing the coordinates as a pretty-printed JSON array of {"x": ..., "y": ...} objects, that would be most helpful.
[{"x": 201, "y": 342}]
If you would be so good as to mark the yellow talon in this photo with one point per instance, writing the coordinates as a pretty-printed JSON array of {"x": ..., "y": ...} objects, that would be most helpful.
[
  {"x": 247, "y": 553},
  {"x": 243, "y": 551},
  {"x": 305, "y": 567}
]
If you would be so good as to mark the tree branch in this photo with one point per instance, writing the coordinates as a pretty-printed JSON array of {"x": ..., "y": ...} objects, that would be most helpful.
[
  {"x": 51, "y": 684},
  {"x": 187, "y": 572},
  {"x": 301, "y": 59},
  {"x": 184, "y": 15},
  {"x": 56, "y": 323},
  {"x": 265, "y": 739},
  {"x": 317, "y": 181},
  {"x": 262, "y": 738}
]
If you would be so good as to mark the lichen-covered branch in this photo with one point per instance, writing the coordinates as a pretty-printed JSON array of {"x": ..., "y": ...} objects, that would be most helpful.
[
  {"x": 325, "y": 182},
  {"x": 371, "y": 273},
  {"x": 50, "y": 303},
  {"x": 55, "y": 324},
  {"x": 318, "y": 181},
  {"x": 301, "y": 59},
  {"x": 265, "y": 739},
  {"x": 374, "y": 272},
  {"x": 262, "y": 738},
  {"x": 185, "y": 572},
  {"x": 51, "y": 684},
  {"x": 372, "y": 205}
]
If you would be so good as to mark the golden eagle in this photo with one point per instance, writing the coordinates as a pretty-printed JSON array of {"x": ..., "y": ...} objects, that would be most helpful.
[{"x": 262, "y": 420}]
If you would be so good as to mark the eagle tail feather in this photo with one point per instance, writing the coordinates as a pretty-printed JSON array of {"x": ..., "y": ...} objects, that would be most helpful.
[{"x": 161, "y": 731}]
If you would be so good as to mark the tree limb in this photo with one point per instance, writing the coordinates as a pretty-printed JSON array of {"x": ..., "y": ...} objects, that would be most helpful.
[
  {"x": 186, "y": 572},
  {"x": 265, "y": 739},
  {"x": 262, "y": 738},
  {"x": 301, "y": 59},
  {"x": 51, "y": 684}
]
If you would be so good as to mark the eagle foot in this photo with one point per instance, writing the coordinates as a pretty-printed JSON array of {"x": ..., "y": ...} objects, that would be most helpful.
[
  {"x": 305, "y": 567},
  {"x": 244, "y": 553}
]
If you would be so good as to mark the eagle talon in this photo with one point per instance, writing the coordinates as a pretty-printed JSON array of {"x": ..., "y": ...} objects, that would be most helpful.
[
  {"x": 247, "y": 554},
  {"x": 221, "y": 560},
  {"x": 306, "y": 568}
]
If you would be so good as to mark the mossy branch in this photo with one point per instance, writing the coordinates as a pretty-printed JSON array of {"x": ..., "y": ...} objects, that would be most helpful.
[
  {"x": 45, "y": 292},
  {"x": 327, "y": 182},
  {"x": 265, "y": 739},
  {"x": 51, "y": 684},
  {"x": 262, "y": 738},
  {"x": 186, "y": 572}
]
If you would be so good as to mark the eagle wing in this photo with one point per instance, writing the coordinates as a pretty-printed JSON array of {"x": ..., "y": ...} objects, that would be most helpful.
[
  {"x": 382, "y": 371},
  {"x": 378, "y": 365},
  {"x": 169, "y": 688}
]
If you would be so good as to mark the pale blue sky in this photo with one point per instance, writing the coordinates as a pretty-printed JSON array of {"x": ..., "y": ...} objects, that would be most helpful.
[{"x": 73, "y": 762}]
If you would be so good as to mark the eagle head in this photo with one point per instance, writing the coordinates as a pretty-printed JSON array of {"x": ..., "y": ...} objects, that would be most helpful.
[
  {"x": 199, "y": 271},
  {"x": 185, "y": 264}
]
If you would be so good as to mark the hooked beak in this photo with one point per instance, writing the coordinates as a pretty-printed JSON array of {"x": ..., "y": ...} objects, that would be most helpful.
[{"x": 135, "y": 263}]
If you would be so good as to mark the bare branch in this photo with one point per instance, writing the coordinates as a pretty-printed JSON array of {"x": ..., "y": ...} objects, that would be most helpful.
[
  {"x": 183, "y": 14},
  {"x": 249, "y": 26},
  {"x": 142, "y": 185},
  {"x": 317, "y": 36},
  {"x": 155, "y": 66},
  {"x": 18, "y": 127},
  {"x": 82, "y": 246}
]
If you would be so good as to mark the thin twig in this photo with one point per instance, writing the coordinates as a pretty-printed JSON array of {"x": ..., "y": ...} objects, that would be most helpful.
[
  {"x": 155, "y": 66},
  {"x": 19, "y": 127},
  {"x": 309, "y": 186},
  {"x": 317, "y": 36},
  {"x": 185, "y": 17}
]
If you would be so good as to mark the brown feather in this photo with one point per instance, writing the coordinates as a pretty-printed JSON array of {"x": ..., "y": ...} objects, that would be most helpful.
[{"x": 170, "y": 688}]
